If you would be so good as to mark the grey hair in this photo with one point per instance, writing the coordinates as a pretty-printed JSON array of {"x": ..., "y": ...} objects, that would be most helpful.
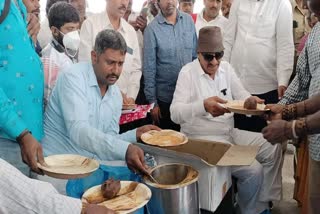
[{"x": 109, "y": 39}]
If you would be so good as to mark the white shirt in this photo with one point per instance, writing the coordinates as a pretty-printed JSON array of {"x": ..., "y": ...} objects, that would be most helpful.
[
  {"x": 20, "y": 194},
  {"x": 220, "y": 21},
  {"x": 45, "y": 35},
  {"x": 193, "y": 87},
  {"x": 129, "y": 81},
  {"x": 53, "y": 62},
  {"x": 259, "y": 43}
]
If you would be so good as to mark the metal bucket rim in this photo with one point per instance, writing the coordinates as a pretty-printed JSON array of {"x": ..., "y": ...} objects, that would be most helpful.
[{"x": 171, "y": 186}]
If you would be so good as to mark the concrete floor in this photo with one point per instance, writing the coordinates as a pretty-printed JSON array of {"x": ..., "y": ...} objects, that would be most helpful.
[{"x": 287, "y": 205}]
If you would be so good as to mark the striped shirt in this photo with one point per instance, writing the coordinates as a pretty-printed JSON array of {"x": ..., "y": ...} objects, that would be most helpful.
[
  {"x": 20, "y": 194},
  {"x": 307, "y": 82}
]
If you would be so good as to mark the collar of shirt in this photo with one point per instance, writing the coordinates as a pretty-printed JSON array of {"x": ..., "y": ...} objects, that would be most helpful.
[
  {"x": 92, "y": 77},
  {"x": 108, "y": 23},
  {"x": 161, "y": 19},
  {"x": 296, "y": 6},
  {"x": 202, "y": 73},
  {"x": 92, "y": 82},
  {"x": 57, "y": 45},
  {"x": 257, "y": 0},
  {"x": 218, "y": 17}
]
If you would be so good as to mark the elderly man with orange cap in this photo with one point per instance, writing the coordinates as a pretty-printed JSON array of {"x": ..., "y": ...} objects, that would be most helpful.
[{"x": 203, "y": 86}]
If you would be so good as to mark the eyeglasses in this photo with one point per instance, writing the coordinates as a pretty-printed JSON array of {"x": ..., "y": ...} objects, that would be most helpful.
[{"x": 209, "y": 56}]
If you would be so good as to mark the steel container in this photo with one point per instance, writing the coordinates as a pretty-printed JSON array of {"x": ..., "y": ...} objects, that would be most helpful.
[{"x": 176, "y": 191}]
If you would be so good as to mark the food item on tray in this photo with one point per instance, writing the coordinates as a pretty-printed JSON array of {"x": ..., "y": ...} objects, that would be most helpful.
[
  {"x": 250, "y": 103},
  {"x": 164, "y": 140},
  {"x": 123, "y": 202},
  {"x": 110, "y": 188}
]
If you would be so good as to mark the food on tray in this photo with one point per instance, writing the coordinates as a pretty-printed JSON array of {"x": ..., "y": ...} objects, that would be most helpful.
[
  {"x": 110, "y": 188},
  {"x": 130, "y": 197},
  {"x": 164, "y": 140},
  {"x": 250, "y": 104},
  {"x": 123, "y": 202}
]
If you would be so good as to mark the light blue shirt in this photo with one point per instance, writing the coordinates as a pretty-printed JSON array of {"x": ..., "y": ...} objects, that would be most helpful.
[
  {"x": 167, "y": 48},
  {"x": 21, "y": 77},
  {"x": 78, "y": 120}
]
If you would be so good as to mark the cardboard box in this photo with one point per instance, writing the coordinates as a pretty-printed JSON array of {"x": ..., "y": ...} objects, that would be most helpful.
[{"x": 212, "y": 160}]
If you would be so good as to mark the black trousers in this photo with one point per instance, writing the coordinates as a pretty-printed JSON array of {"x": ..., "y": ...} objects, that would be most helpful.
[
  {"x": 255, "y": 123},
  {"x": 165, "y": 120}
]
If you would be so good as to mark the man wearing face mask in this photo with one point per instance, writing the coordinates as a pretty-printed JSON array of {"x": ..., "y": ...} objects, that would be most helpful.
[
  {"x": 61, "y": 52},
  {"x": 112, "y": 18}
]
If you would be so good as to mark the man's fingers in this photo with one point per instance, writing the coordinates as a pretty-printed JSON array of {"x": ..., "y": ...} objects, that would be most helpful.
[
  {"x": 140, "y": 167},
  {"x": 270, "y": 105},
  {"x": 24, "y": 157},
  {"x": 34, "y": 165},
  {"x": 260, "y": 101},
  {"x": 221, "y": 109},
  {"x": 155, "y": 118},
  {"x": 153, "y": 127},
  {"x": 140, "y": 23},
  {"x": 139, "y": 161},
  {"x": 40, "y": 156},
  {"x": 219, "y": 100}
]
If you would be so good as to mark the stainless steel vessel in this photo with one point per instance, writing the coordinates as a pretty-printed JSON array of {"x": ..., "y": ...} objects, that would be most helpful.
[{"x": 176, "y": 191}]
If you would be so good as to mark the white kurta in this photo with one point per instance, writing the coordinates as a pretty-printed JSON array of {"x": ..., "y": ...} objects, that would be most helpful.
[
  {"x": 187, "y": 109},
  {"x": 53, "y": 62},
  {"x": 220, "y": 21},
  {"x": 129, "y": 81},
  {"x": 258, "y": 43},
  {"x": 193, "y": 87}
]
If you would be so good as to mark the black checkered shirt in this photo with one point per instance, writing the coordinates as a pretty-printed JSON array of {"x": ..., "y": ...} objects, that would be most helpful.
[{"x": 307, "y": 82}]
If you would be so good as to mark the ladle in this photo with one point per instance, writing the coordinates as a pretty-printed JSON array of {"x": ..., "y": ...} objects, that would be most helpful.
[{"x": 152, "y": 178}]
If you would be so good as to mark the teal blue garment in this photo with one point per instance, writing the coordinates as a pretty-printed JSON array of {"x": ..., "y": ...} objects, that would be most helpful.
[
  {"x": 21, "y": 77},
  {"x": 78, "y": 120}
]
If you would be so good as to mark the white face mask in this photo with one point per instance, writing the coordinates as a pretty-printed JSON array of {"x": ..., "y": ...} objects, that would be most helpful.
[{"x": 71, "y": 42}]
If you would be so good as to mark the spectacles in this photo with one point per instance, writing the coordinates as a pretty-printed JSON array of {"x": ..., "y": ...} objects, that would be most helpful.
[{"x": 209, "y": 56}]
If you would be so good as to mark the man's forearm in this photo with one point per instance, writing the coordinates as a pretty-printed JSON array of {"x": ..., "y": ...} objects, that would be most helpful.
[
  {"x": 309, "y": 106},
  {"x": 312, "y": 123}
]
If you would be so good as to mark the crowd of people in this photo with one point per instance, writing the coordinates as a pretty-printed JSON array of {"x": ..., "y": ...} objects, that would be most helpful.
[{"x": 64, "y": 81}]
